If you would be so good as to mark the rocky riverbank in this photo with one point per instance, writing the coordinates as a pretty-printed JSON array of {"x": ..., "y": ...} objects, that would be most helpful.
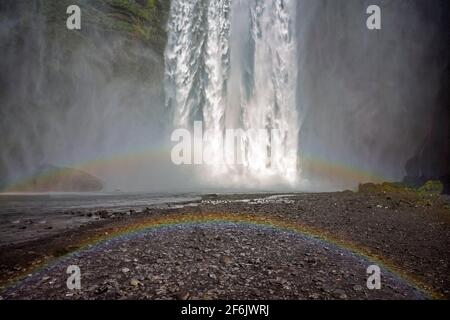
[{"x": 296, "y": 246}]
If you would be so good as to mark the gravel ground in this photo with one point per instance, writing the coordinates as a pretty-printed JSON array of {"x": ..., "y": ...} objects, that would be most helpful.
[
  {"x": 240, "y": 261},
  {"x": 225, "y": 261}
]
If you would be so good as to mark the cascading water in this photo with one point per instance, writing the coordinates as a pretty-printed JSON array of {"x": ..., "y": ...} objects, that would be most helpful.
[
  {"x": 272, "y": 103},
  {"x": 93, "y": 99},
  {"x": 197, "y": 63},
  {"x": 226, "y": 84}
]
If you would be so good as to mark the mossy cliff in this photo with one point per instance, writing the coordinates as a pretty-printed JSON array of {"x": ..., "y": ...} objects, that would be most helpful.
[
  {"x": 427, "y": 195},
  {"x": 131, "y": 32},
  {"x": 61, "y": 87},
  {"x": 137, "y": 20}
]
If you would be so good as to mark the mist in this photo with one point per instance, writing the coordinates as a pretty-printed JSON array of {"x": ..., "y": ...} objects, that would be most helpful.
[
  {"x": 91, "y": 99},
  {"x": 96, "y": 100},
  {"x": 370, "y": 96}
]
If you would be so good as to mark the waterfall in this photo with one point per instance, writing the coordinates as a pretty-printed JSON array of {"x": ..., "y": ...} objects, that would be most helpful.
[
  {"x": 247, "y": 84},
  {"x": 197, "y": 63},
  {"x": 272, "y": 103}
]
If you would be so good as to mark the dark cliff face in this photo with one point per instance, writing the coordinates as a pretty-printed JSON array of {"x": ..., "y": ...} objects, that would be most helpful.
[
  {"x": 432, "y": 159},
  {"x": 372, "y": 98}
]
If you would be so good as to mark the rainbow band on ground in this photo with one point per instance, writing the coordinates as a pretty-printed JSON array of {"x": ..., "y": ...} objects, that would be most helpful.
[{"x": 156, "y": 223}]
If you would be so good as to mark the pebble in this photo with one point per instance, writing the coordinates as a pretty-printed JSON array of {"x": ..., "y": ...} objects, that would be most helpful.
[
  {"x": 182, "y": 295},
  {"x": 218, "y": 263},
  {"x": 135, "y": 282},
  {"x": 226, "y": 260},
  {"x": 357, "y": 287}
]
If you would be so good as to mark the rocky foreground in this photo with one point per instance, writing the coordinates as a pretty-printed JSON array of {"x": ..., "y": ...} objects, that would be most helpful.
[{"x": 407, "y": 231}]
